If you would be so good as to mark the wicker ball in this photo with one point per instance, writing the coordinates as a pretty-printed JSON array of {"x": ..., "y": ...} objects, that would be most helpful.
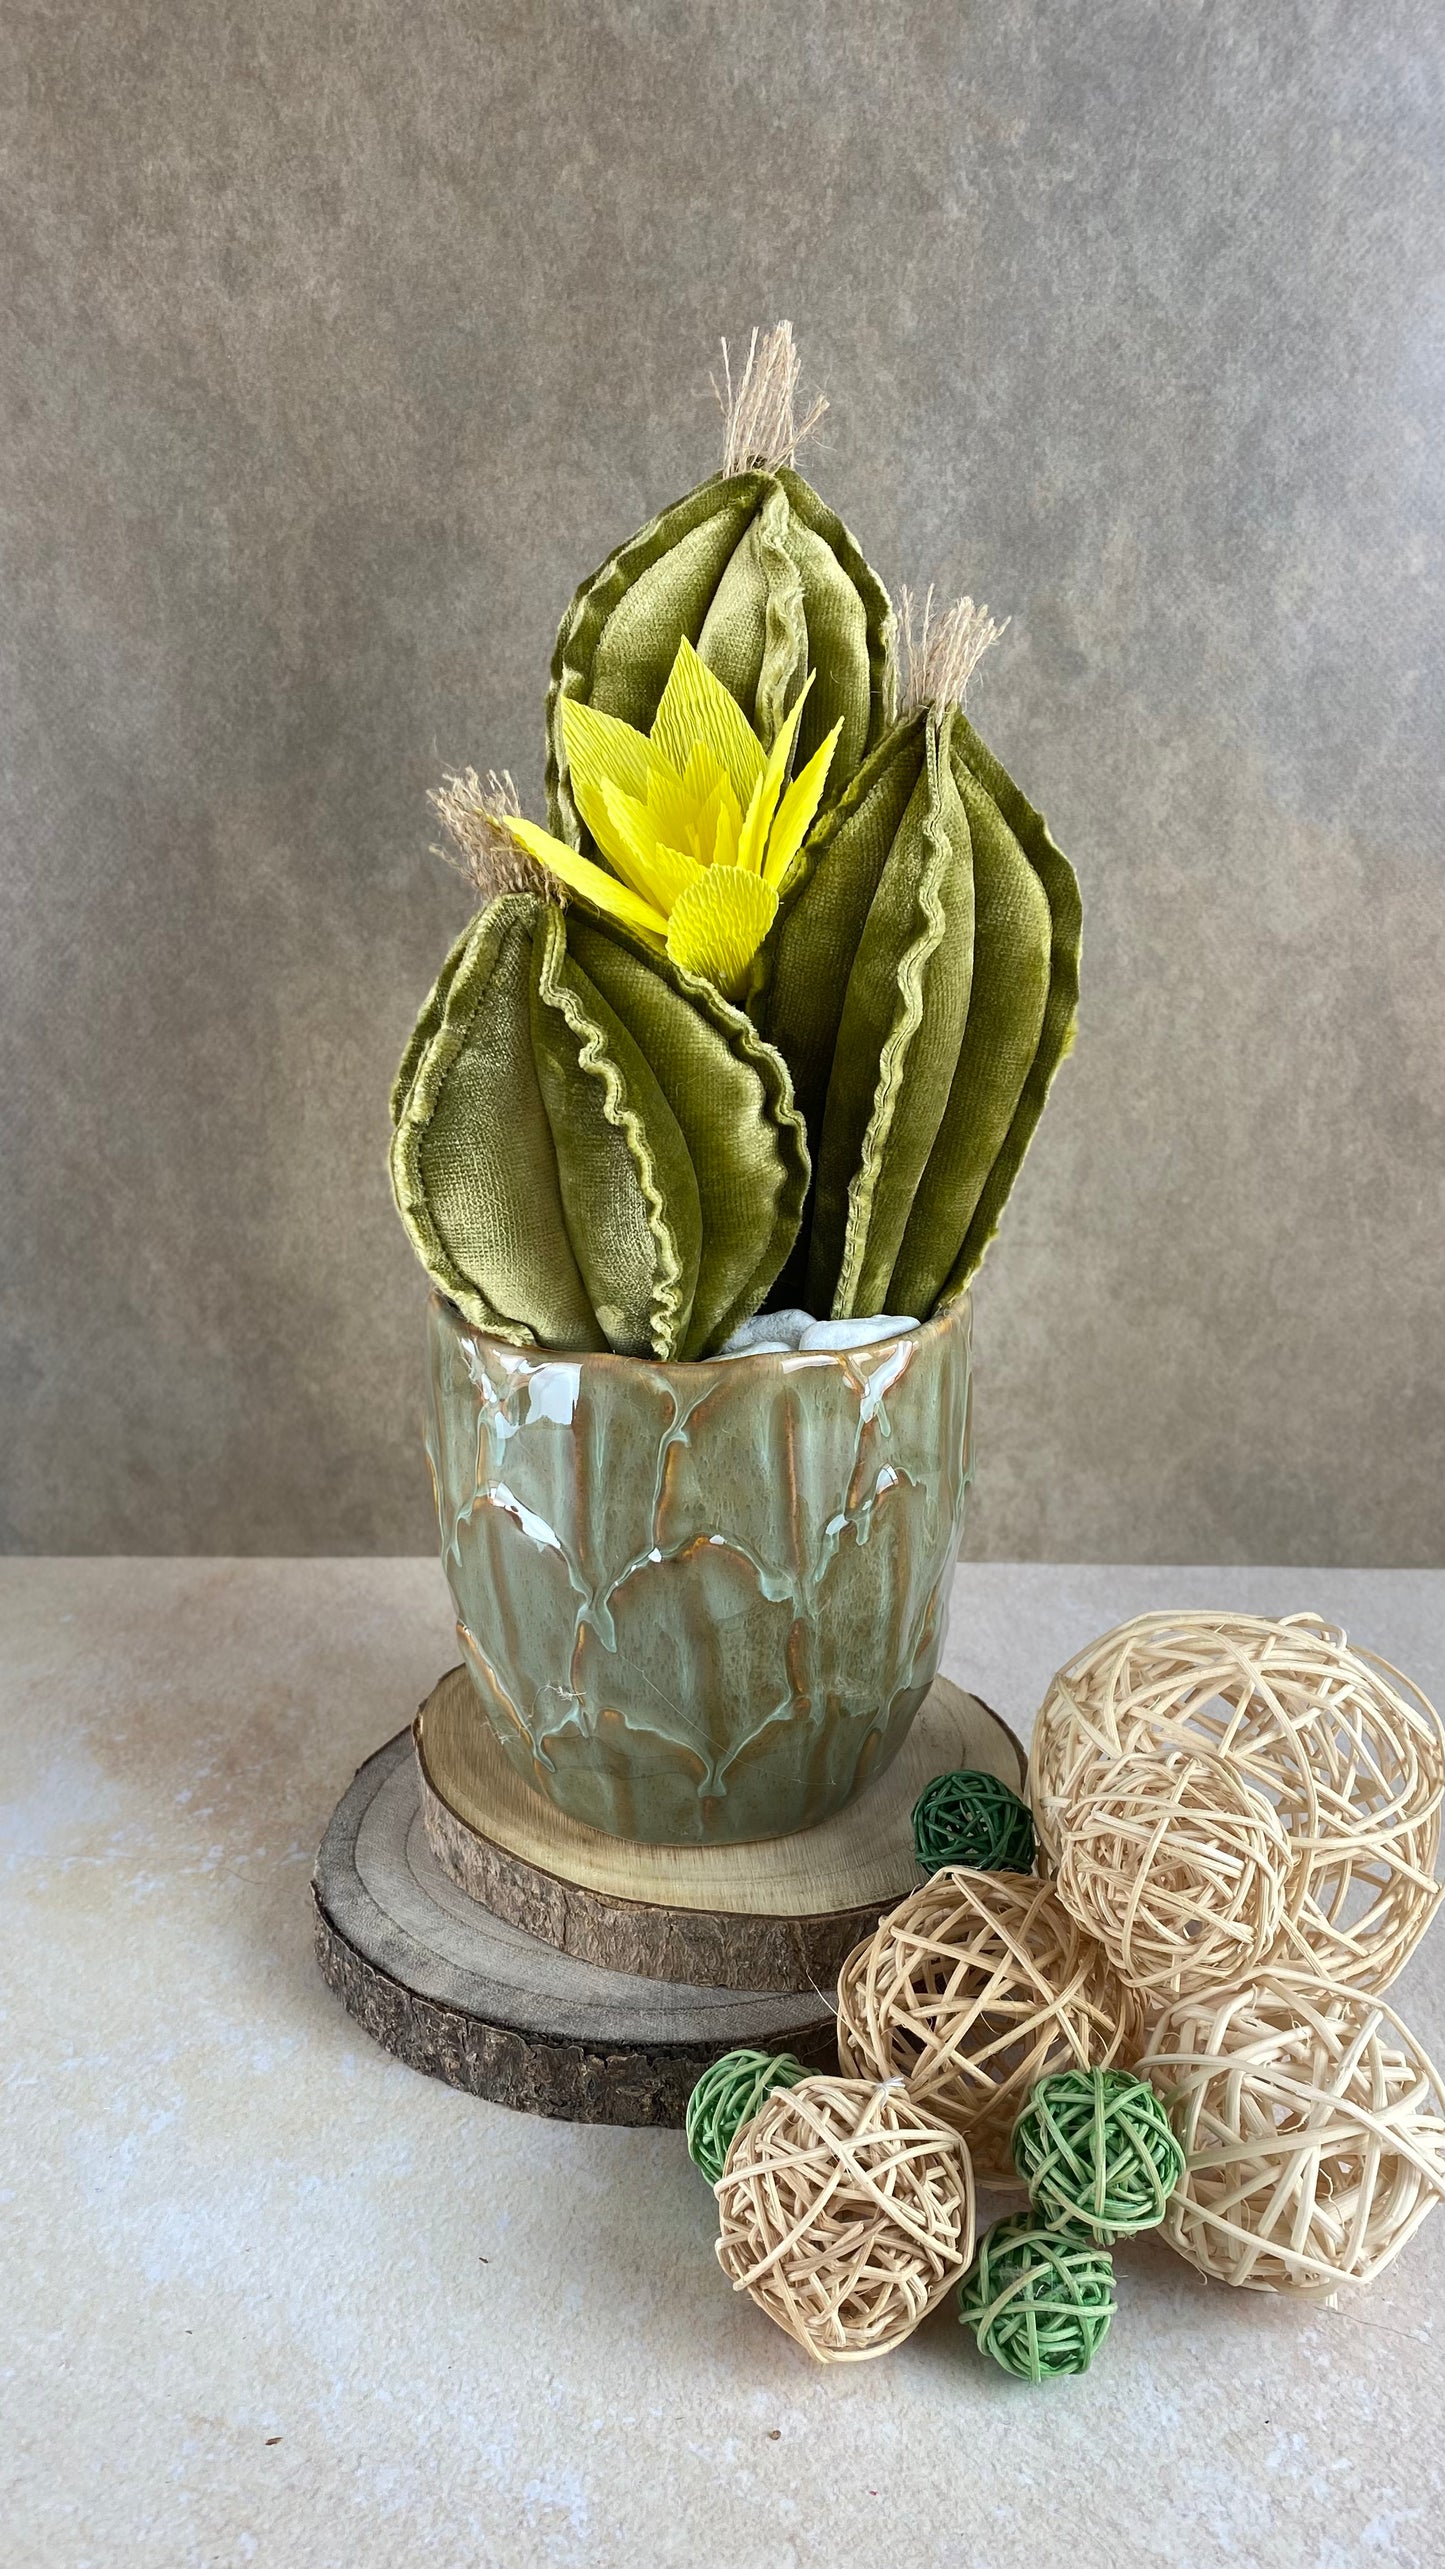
[
  {"x": 1313, "y": 2128},
  {"x": 1095, "y": 2149},
  {"x": 973, "y": 1989},
  {"x": 1038, "y": 2300},
  {"x": 972, "y": 1819},
  {"x": 728, "y": 2093},
  {"x": 847, "y": 2213},
  {"x": 1349, "y": 1753},
  {"x": 1180, "y": 1868}
]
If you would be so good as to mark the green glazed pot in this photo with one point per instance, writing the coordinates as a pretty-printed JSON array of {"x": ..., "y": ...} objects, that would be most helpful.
[{"x": 700, "y": 1602}]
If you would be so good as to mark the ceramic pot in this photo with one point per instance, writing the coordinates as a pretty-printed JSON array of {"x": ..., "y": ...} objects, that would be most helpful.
[{"x": 700, "y": 1602}]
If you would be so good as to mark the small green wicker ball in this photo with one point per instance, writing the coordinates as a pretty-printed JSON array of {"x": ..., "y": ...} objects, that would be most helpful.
[
  {"x": 1094, "y": 2146},
  {"x": 1038, "y": 2300},
  {"x": 972, "y": 1819},
  {"x": 728, "y": 2095}
]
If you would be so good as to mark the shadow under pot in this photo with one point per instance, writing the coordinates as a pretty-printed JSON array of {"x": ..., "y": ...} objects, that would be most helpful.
[{"x": 700, "y": 1603}]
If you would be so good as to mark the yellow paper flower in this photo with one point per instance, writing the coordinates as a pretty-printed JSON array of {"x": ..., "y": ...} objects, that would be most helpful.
[{"x": 694, "y": 816}]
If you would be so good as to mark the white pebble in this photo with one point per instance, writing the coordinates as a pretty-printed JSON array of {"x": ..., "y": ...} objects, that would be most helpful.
[
  {"x": 856, "y": 1333},
  {"x": 766, "y": 1332}
]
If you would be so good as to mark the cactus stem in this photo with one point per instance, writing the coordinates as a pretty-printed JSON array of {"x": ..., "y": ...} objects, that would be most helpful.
[
  {"x": 474, "y": 815},
  {"x": 945, "y": 651},
  {"x": 761, "y": 428}
]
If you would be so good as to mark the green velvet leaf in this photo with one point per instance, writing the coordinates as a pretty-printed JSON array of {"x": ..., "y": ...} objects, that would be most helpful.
[
  {"x": 472, "y": 1164},
  {"x": 618, "y": 640},
  {"x": 888, "y": 1230},
  {"x": 592, "y": 1148},
  {"x": 755, "y": 633},
  {"x": 765, "y": 582},
  {"x": 800, "y": 1003},
  {"x": 898, "y": 1042},
  {"x": 1012, "y": 937},
  {"x": 1061, "y": 1006},
  {"x": 850, "y": 637},
  {"x": 429, "y": 1021},
  {"x": 730, "y": 1093},
  {"x": 627, "y": 1183}
]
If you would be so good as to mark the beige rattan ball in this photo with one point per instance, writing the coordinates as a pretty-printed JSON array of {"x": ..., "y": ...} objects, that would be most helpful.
[
  {"x": 1313, "y": 2128},
  {"x": 1180, "y": 1868},
  {"x": 1349, "y": 1753},
  {"x": 847, "y": 2214},
  {"x": 972, "y": 1989}
]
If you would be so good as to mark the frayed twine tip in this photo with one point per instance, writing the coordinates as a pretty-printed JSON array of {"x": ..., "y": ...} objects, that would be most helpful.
[
  {"x": 761, "y": 426},
  {"x": 942, "y": 655},
  {"x": 475, "y": 813}
]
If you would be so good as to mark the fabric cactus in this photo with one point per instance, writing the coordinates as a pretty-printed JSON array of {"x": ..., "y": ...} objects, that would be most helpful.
[
  {"x": 921, "y": 1071},
  {"x": 592, "y": 1148},
  {"x": 768, "y": 586},
  {"x": 1026, "y": 976},
  {"x": 772, "y": 928}
]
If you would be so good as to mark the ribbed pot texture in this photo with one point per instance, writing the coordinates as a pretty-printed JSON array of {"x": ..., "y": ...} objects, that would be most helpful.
[{"x": 700, "y": 1603}]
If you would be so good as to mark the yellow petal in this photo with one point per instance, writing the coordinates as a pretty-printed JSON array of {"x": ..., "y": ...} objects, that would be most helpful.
[
  {"x": 684, "y": 809},
  {"x": 702, "y": 826},
  {"x": 641, "y": 854},
  {"x": 796, "y": 811},
  {"x": 718, "y": 925},
  {"x": 704, "y": 771},
  {"x": 602, "y": 751},
  {"x": 770, "y": 785},
  {"x": 667, "y": 803},
  {"x": 581, "y": 875},
  {"x": 695, "y": 707},
  {"x": 727, "y": 832}
]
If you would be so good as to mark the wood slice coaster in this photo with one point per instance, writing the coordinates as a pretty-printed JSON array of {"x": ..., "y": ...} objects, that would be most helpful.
[
  {"x": 780, "y": 1913},
  {"x": 469, "y": 1999}
]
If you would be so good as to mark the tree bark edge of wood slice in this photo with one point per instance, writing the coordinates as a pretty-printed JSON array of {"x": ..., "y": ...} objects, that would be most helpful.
[
  {"x": 567, "y": 2082},
  {"x": 458, "y": 1996},
  {"x": 728, "y": 1946}
]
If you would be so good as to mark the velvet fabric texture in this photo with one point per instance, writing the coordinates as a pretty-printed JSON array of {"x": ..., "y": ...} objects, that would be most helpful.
[
  {"x": 591, "y": 1149},
  {"x": 594, "y": 1147},
  {"x": 922, "y": 1067},
  {"x": 767, "y": 584}
]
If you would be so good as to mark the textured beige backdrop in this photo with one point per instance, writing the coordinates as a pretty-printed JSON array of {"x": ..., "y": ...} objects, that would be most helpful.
[{"x": 340, "y": 340}]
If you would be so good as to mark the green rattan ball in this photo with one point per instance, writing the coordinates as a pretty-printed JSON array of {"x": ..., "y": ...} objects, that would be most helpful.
[
  {"x": 972, "y": 1819},
  {"x": 1094, "y": 2146},
  {"x": 1038, "y": 2300},
  {"x": 728, "y": 2095}
]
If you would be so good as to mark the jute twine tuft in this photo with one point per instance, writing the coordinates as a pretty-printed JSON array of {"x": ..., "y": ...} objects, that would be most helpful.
[
  {"x": 1180, "y": 1868},
  {"x": 761, "y": 427},
  {"x": 940, "y": 654},
  {"x": 1313, "y": 2127},
  {"x": 1094, "y": 2147},
  {"x": 972, "y": 1989},
  {"x": 1038, "y": 2300},
  {"x": 847, "y": 2213},
  {"x": 474, "y": 812},
  {"x": 1349, "y": 1755}
]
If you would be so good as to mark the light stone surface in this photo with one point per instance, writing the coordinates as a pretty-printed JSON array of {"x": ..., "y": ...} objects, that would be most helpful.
[
  {"x": 344, "y": 337},
  {"x": 270, "y": 2297}
]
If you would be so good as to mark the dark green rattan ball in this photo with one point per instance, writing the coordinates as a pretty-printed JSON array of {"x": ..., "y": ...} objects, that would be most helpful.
[
  {"x": 1038, "y": 2300},
  {"x": 1094, "y": 2146},
  {"x": 972, "y": 1819},
  {"x": 728, "y": 2095}
]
